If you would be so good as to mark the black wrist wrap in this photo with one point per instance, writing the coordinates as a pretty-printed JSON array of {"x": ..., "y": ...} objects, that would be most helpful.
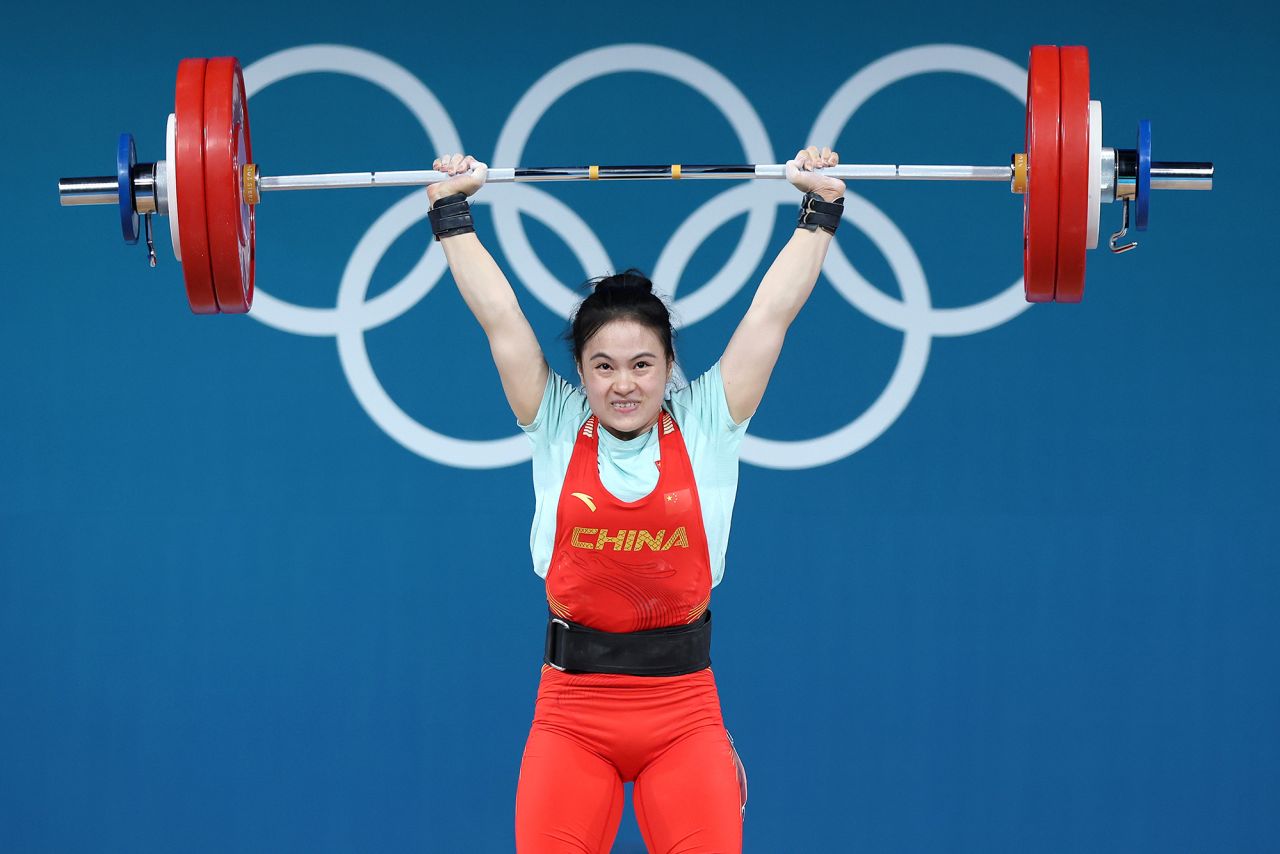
[
  {"x": 816, "y": 213},
  {"x": 451, "y": 215}
]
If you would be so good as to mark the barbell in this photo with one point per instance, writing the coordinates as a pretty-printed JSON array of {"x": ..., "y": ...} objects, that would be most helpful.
[{"x": 209, "y": 186}]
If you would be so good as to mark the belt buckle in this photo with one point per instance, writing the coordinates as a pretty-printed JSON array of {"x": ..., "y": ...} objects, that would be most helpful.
[{"x": 550, "y": 634}]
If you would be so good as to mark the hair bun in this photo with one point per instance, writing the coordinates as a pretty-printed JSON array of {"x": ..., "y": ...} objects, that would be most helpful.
[{"x": 630, "y": 279}]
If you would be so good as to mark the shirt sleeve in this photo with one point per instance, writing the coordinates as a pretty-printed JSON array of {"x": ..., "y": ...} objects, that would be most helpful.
[
  {"x": 561, "y": 412},
  {"x": 702, "y": 407}
]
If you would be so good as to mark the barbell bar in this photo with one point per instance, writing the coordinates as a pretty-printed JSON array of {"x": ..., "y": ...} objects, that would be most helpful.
[{"x": 209, "y": 187}]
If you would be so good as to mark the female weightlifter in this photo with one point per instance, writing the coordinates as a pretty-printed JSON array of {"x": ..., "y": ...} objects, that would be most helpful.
[{"x": 633, "y": 497}]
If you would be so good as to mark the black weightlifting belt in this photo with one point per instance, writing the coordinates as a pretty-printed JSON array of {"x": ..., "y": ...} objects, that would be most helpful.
[{"x": 672, "y": 651}]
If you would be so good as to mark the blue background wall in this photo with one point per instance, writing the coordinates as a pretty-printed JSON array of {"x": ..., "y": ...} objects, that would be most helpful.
[{"x": 1035, "y": 613}]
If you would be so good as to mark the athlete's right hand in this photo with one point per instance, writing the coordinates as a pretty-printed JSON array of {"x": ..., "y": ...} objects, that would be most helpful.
[{"x": 468, "y": 175}]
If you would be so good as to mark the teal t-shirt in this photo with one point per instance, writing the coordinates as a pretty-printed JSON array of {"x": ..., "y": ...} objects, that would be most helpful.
[{"x": 627, "y": 468}]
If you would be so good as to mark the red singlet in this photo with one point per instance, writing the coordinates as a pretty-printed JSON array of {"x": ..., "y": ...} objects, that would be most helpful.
[
  {"x": 628, "y": 566},
  {"x": 624, "y": 566}
]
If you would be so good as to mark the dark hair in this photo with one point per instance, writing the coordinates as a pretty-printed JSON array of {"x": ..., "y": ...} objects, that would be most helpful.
[{"x": 623, "y": 296}]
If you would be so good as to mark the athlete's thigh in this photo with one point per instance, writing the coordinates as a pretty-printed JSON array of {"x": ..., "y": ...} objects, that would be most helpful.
[
  {"x": 688, "y": 800},
  {"x": 568, "y": 798}
]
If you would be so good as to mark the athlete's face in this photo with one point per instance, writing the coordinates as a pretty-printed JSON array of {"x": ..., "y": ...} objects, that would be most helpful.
[{"x": 624, "y": 369}]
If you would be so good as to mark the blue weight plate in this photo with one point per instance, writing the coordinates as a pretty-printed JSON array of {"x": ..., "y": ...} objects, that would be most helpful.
[
  {"x": 126, "y": 158},
  {"x": 1143, "y": 201}
]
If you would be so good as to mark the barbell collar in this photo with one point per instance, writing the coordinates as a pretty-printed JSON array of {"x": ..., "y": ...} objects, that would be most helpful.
[{"x": 145, "y": 188}]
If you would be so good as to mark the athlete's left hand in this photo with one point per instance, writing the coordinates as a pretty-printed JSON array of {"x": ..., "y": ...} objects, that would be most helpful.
[{"x": 805, "y": 172}]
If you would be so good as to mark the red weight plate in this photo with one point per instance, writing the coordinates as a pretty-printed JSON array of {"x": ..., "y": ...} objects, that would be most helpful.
[
  {"x": 1040, "y": 202},
  {"x": 230, "y": 217},
  {"x": 188, "y": 171},
  {"x": 1073, "y": 187}
]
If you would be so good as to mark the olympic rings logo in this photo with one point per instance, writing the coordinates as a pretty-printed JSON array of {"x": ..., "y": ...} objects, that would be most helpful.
[{"x": 913, "y": 315}]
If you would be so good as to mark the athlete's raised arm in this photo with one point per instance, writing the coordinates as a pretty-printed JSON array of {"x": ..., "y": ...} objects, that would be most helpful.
[
  {"x": 521, "y": 364},
  {"x": 753, "y": 350}
]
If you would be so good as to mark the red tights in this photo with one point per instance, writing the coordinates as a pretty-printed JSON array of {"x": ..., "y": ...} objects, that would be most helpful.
[{"x": 593, "y": 732}]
